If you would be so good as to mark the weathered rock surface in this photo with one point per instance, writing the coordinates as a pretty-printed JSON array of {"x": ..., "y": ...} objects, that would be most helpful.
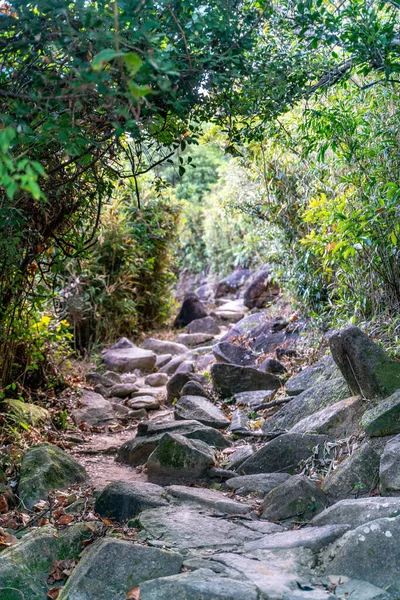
[
  {"x": 187, "y": 366},
  {"x": 284, "y": 453},
  {"x": 110, "y": 568},
  {"x": 321, "y": 371},
  {"x": 272, "y": 365},
  {"x": 356, "y": 512},
  {"x": 254, "y": 398},
  {"x": 314, "y": 538},
  {"x": 211, "y": 499},
  {"x": 366, "y": 367},
  {"x": 172, "y": 365},
  {"x": 95, "y": 410},
  {"x": 232, "y": 311},
  {"x": 164, "y": 346},
  {"x": 246, "y": 326},
  {"x": 339, "y": 420},
  {"x": 261, "y": 290},
  {"x": 384, "y": 418},
  {"x": 204, "y": 325},
  {"x": 389, "y": 469},
  {"x": 156, "y": 379},
  {"x": 190, "y": 310},
  {"x": 226, "y": 352},
  {"x": 358, "y": 590},
  {"x": 32, "y": 414},
  {"x": 358, "y": 474},
  {"x": 94, "y": 378},
  {"x": 307, "y": 403},
  {"x": 147, "y": 402},
  {"x": 177, "y": 381},
  {"x": 297, "y": 499},
  {"x": 123, "y": 500},
  {"x": 122, "y": 390},
  {"x": 162, "y": 360},
  {"x": 232, "y": 283},
  {"x": 262, "y": 483},
  {"x": 44, "y": 468},
  {"x": 195, "y": 339},
  {"x": 178, "y": 459},
  {"x": 200, "y": 409},
  {"x": 136, "y": 451},
  {"x": 126, "y": 359},
  {"x": 194, "y": 388},
  {"x": 369, "y": 553},
  {"x": 239, "y": 456},
  {"x": 231, "y": 379}
]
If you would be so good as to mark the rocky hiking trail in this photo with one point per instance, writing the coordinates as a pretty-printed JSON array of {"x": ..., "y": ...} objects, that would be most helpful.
[{"x": 202, "y": 468}]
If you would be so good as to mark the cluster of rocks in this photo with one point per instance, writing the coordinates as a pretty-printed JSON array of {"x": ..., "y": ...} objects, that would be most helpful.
[{"x": 305, "y": 507}]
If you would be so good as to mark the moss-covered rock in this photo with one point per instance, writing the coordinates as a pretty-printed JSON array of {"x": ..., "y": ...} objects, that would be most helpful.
[
  {"x": 384, "y": 418},
  {"x": 25, "y": 567},
  {"x": 296, "y": 499},
  {"x": 44, "y": 468},
  {"x": 29, "y": 413}
]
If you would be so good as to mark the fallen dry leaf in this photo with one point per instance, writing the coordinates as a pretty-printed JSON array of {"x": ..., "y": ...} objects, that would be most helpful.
[
  {"x": 133, "y": 594},
  {"x": 53, "y": 593},
  {"x": 65, "y": 520}
]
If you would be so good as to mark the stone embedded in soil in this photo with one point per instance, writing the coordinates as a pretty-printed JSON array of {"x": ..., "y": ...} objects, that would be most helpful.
[
  {"x": 116, "y": 377},
  {"x": 232, "y": 379},
  {"x": 340, "y": 420},
  {"x": 356, "y": 475},
  {"x": 261, "y": 483},
  {"x": 321, "y": 371},
  {"x": 297, "y": 499},
  {"x": 189, "y": 527},
  {"x": 45, "y": 468},
  {"x": 307, "y": 403},
  {"x": 172, "y": 365},
  {"x": 164, "y": 346},
  {"x": 255, "y": 398},
  {"x": 162, "y": 360},
  {"x": 200, "y": 409},
  {"x": 122, "y": 500},
  {"x": 147, "y": 402},
  {"x": 357, "y": 511},
  {"x": 355, "y": 589},
  {"x": 122, "y": 390},
  {"x": 204, "y": 325},
  {"x": 370, "y": 552},
  {"x": 187, "y": 366},
  {"x": 156, "y": 379},
  {"x": 177, "y": 381},
  {"x": 368, "y": 370},
  {"x": 94, "y": 411},
  {"x": 29, "y": 413},
  {"x": 94, "y": 378},
  {"x": 284, "y": 453},
  {"x": 272, "y": 365},
  {"x": 110, "y": 568},
  {"x": 178, "y": 459},
  {"x": 314, "y": 538},
  {"x": 226, "y": 352},
  {"x": 239, "y": 456},
  {"x": 194, "y": 388},
  {"x": 211, "y": 499},
  {"x": 389, "y": 469},
  {"x": 384, "y": 418},
  {"x": 150, "y": 391},
  {"x": 127, "y": 359},
  {"x": 239, "y": 423},
  {"x": 195, "y": 339}
]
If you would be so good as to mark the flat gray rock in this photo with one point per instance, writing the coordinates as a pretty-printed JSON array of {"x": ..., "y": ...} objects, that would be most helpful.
[
  {"x": 194, "y": 339},
  {"x": 254, "y": 398},
  {"x": 358, "y": 511},
  {"x": 284, "y": 453},
  {"x": 172, "y": 365},
  {"x": 121, "y": 390},
  {"x": 232, "y": 379},
  {"x": 110, "y": 568},
  {"x": 162, "y": 360},
  {"x": 200, "y": 409},
  {"x": 354, "y": 589},
  {"x": 370, "y": 553},
  {"x": 307, "y": 403},
  {"x": 122, "y": 500},
  {"x": 187, "y": 366},
  {"x": 127, "y": 359},
  {"x": 226, "y": 352},
  {"x": 384, "y": 418},
  {"x": 321, "y": 371},
  {"x": 164, "y": 346},
  {"x": 188, "y": 528},
  {"x": 204, "y": 325},
  {"x": 263, "y": 482},
  {"x": 179, "y": 460},
  {"x": 296, "y": 499},
  {"x": 94, "y": 411},
  {"x": 156, "y": 379},
  {"x": 202, "y": 584},
  {"x": 314, "y": 538},
  {"x": 389, "y": 468},
  {"x": 356, "y": 475},
  {"x": 147, "y": 402},
  {"x": 339, "y": 420},
  {"x": 239, "y": 456},
  {"x": 212, "y": 499}
]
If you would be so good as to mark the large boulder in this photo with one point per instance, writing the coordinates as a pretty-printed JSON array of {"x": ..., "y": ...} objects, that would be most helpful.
[
  {"x": 284, "y": 453},
  {"x": 204, "y": 325},
  {"x": 339, "y": 420},
  {"x": 366, "y": 367},
  {"x": 110, "y": 568},
  {"x": 136, "y": 451},
  {"x": 126, "y": 358},
  {"x": 231, "y": 379},
  {"x": 45, "y": 468},
  {"x": 122, "y": 500},
  {"x": 384, "y": 418},
  {"x": 232, "y": 284},
  {"x": 357, "y": 511},
  {"x": 164, "y": 346},
  {"x": 356, "y": 475},
  {"x": 297, "y": 499},
  {"x": 261, "y": 290},
  {"x": 370, "y": 553},
  {"x": 321, "y": 371},
  {"x": 307, "y": 403},
  {"x": 226, "y": 352},
  {"x": 200, "y": 409},
  {"x": 179, "y": 460},
  {"x": 389, "y": 469},
  {"x": 190, "y": 310}
]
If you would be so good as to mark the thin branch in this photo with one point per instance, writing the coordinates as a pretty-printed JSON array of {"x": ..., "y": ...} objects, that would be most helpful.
[{"x": 183, "y": 35}]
